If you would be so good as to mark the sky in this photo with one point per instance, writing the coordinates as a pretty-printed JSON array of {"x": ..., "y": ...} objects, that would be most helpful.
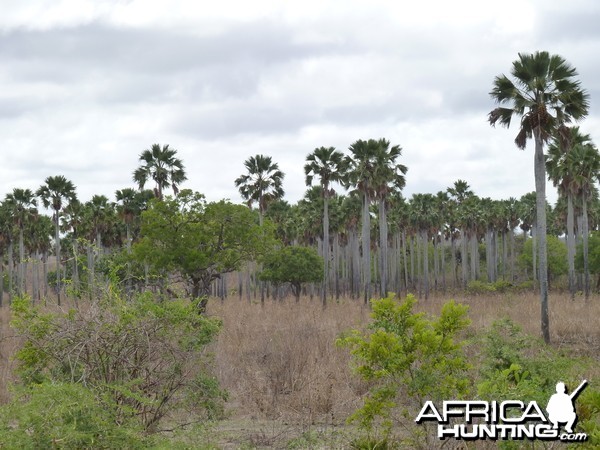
[{"x": 86, "y": 86}]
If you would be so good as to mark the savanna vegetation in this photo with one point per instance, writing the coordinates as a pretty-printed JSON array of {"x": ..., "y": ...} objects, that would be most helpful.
[{"x": 163, "y": 320}]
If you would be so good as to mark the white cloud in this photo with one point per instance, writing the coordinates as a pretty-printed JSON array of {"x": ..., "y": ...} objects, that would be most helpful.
[{"x": 87, "y": 85}]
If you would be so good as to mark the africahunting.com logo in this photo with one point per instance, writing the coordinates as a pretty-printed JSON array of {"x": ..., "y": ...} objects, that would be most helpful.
[{"x": 511, "y": 419}]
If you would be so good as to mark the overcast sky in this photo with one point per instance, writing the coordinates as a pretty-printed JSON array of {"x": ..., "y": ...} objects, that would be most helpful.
[{"x": 86, "y": 86}]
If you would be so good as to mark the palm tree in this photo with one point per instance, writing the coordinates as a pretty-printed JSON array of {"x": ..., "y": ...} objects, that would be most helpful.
[
  {"x": 459, "y": 193},
  {"x": 584, "y": 160},
  {"x": 327, "y": 164},
  {"x": 389, "y": 178},
  {"x": 127, "y": 208},
  {"x": 561, "y": 173},
  {"x": 23, "y": 206},
  {"x": 361, "y": 167},
  {"x": 542, "y": 85},
  {"x": 262, "y": 184},
  {"x": 161, "y": 165},
  {"x": 54, "y": 193}
]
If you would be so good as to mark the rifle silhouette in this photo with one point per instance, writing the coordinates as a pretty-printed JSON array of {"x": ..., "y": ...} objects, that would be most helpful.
[{"x": 576, "y": 392}]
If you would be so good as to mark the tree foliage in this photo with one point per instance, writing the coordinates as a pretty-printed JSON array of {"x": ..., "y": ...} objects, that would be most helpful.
[
  {"x": 199, "y": 241},
  {"x": 406, "y": 354},
  {"x": 143, "y": 360},
  {"x": 557, "y": 256},
  {"x": 293, "y": 265}
]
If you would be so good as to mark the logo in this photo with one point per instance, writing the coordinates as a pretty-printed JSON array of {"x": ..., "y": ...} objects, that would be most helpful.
[{"x": 510, "y": 419}]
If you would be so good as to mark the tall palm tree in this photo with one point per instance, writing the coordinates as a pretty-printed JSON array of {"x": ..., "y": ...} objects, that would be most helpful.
[
  {"x": 389, "y": 178},
  {"x": 23, "y": 206},
  {"x": 56, "y": 191},
  {"x": 327, "y": 164},
  {"x": 161, "y": 165},
  {"x": 262, "y": 184},
  {"x": 361, "y": 166},
  {"x": 127, "y": 208},
  {"x": 6, "y": 238},
  {"x": 546, "y": 96},
  {"x": 560, "y": 171},
  {"x": 459, "y": 192},
  {"x": 584, "y": 160}
]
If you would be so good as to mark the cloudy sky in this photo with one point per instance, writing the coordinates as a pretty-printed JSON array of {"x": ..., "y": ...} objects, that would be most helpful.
[{"x": 86, "y": 86}]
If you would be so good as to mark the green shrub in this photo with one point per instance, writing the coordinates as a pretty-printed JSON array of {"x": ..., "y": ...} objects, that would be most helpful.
[
  {"x": 146, "y": 360},
  {"x": 64, "y": 416},
  {"x": 406, "y": 354},
  {"x": 477, "y": 287}
]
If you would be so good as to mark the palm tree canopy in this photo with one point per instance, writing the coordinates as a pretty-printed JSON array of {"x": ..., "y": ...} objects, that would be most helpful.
[
  {"x": 560, "y": 163},
  {"x": 55, "y": 190},
  {"x": 543, "y": 93},
  {"x": 262, "y": 183},
  {"x": 373, "y": 169},
  {"x": 327, "y": 164},
  {"x": 161, "y": 165},
  {"x": 22, "y": 204}
]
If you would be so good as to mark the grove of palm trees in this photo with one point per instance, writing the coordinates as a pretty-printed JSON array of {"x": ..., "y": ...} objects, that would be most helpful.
[{"x": 176, "y": 318}]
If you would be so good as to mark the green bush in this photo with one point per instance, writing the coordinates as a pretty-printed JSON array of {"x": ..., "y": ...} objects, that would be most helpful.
[
  {"x": 477, "y": 287},
  {"x": 64, "y": 416},
  {"x": 406, "y": 354},
  {"x": 146, "y": 360}
]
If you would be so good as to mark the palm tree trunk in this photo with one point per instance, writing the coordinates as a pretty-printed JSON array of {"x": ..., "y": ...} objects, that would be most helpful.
[
  {"x": 585, "y": 230},
  {"x": 45, "y": 273},
  {"x": 540, "y": 190},
  {"x": 366, "y": 246},
  {"x": 426, "y": 264},
  {"x": 443, "y": 262},
  {"x": 412, "y": 261},
  {"x": 463, "y": 256},
  {"x": 325, "y": 247},
  {"x": 512, "y": 256},
  {"x": 383, "y": 248},
  {"x": 405, "y": 260},
  {"x": 453, "y": 258},
  {"x": 571, "y": 243},
  {"x": 336, "y": 265},
  {"x": 57, "y": 245},
  {"x": 474, "y": 252},
  {"x": 11, "y": 264},
  {"x": 21, "y": 272},
  {"x": 355, "y": 262}
]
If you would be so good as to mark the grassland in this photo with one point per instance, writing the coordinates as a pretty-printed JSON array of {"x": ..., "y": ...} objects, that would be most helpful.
[{"x": 290, "y": 385}]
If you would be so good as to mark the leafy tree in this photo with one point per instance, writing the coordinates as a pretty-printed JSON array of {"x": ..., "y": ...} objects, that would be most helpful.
[
  {"x": 162, "y": 166},
  {"x": 557, "y": 256},
  {"x": 199, "y": 241},
  {"x": 262, "y": 184},
  {"x": 542, "y": 85},
  {"x": 293, "y": 265},
  {"x": 57, "y": 191},
  {"x": 593, "y": 256}
]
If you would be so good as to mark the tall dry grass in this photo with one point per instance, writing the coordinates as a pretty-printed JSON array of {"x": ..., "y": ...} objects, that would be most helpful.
[{"x": 281, "y": 362}]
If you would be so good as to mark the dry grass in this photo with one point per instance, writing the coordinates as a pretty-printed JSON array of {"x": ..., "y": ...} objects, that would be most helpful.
[
  {"x": 282, "y": 368},
  {"x": 281, "y": 362}
]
